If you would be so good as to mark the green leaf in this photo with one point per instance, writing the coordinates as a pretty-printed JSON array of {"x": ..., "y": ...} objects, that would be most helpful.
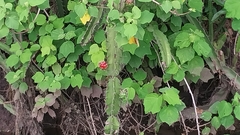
[
  {"x": 50, "y": 60},
  {"x": 4, "y": 31},
  {"x": 127, "y": 83},
  {"x": 76, "y": 81},
  {"x": 93, "y": 11},
  {"x": 65, "y": 82},
  {"x": 38, "y": 77},
  {"x": 35, "y": 2},
  {"x": 12, "y": 60},
  {"x": 44, "y": 5},
  {"x": 168, "y": 114},
  {"x": 206, "y": 116},
  {"x": 227, "y": 121},
  {"x": 196, "y": 4},
  {"x": 113, "y": 14},
  {"x": 145, "y": 0},
  {"x": 54, "y": 86},
  {"x": 145, "y": 90},
  {"x": 176, "y": 4},
  {"x": 140, "y": 75},
  {"x": 129, "y": 48},
  {"x": 97, "y": 57},
  {"x": 172, "y": 68},
  {"x": 41, "y": 19},
  {"x": 135, "y": 61},
  {"x": 166, "y": 6},
  {"x": 224, "y": 109},
  {"x": 176, "y": 21},
  {"x": 66, "y": 48},
  {"x": 23, "y": 87},
  {"x": 237, "y": 112},
  {"x": 57, "y": 69},
  {"x": 206, "y": 131},
  {"x": 99, "y": 36},
  {"x": 26, "y": 56},
  {"x": 170, "y": 95},
  {"x": 152, "y": 103},
  {"x": 202, "y": 48},
  {"x": 232, "y": 7},
  {"x": 143, "y": 49},
  {"x": 214, "y": 107},
  {"x": 12, "y": 21},
  {"x": 69, "y": 35},
  {"x": 146, "y": 17},
  {"x": 130, "y": 30},
  {"x": 182, "y": 40},
  {"x": 196, "y": 65},
  {"x": 12, "y": 77},
  {"x": 236, "y": 24},
  {"x": 136, "y": 12},
  {"x": 131, "y": 93},
  {"x": 215, "y": 122},
  {"x": 185, "y": 54},
  {"x": 80, "y": 9},
  {"x": 57, "y": 34},
  {"x": 94, "y": 48},
  {"x": 179, "y": 76}
]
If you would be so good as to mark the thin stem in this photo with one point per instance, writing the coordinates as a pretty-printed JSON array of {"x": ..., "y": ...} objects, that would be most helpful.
[
  {"x": 210, "y": 23},
  {"x": 90, "y": 111}
]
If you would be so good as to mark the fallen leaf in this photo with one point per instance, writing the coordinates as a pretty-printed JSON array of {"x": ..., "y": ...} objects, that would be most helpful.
[
  {"x": 86, "y": 91},
  {"x": 206, "y": 75},
  {"x": 51, "y": 113},
  {"x": 40, "y": 116},
  {"x": 86, "y": 17},
  {"x": 97, "y": 91}
]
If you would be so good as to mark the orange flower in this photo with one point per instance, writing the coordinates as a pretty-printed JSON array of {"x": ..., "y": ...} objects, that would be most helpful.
[{"x": 133, "y": 40}]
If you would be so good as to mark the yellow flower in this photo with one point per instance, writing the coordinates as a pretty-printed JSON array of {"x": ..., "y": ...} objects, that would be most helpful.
[
  {"x": 86, "y": 17},
  {"x": 133, "y": 40}
]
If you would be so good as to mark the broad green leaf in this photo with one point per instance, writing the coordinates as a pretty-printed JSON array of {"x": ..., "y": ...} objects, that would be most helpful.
[
  {"x": 140, "y": 75},
  {"x": 12, "y": 21},
  {"x": 185, "y": 54},
  {"x": 136, "y": 12},
  {"x": 65, "y": 82},
  {"x": 80, "y": 9},
  {"x": 179, "y": 76},
  {"x": 35, "y": 2},
  {"x": 99, "y": 36},
  {"x": 236, "y": 24},
  {"x": 172, "y": 68},
  {"x": 170, "y": 95},
  {"x": 145, "y": 0},
  {"x": 169, "y": 114},
  {"x": 215, "y": 122},
  {"x": 131, "y": 93},
  {"x": 237, "y": 112},
  {"x": 166, "y": 6},
  {"x": 69, "y": 35},
  {"x": 127, "y": 83},
  {"x": 94, "y": 48},
  {"x": 224, "y": 109},
  {"x": 57, "y": 34},
  {"x": 196, "y": 4},
  {"x": 34, "y": 47},
  {"x": 214, "y": 107},
  {"x": 145, "y": 90},
  {"x": 130, "y": 48},
  {"x": 227, "y": 121},
  {"x": 26, "y": 56},
  {"x": 54, "y": 86},
  {"x": 152, "y": 103},
  {"x": 12, "y": 60},
  {"x": 97, "y": 57},
  {"x": 232, "y": 7},
  {"x": 38, "y": 77},
  {"x": 143, "y": 50},
  {"x": 146, "y": 17},
  {"x": 66, "y": 48},
  {"x": 44, "y": 85},
  {"x": 76, "y": 81},
  {"x": 202, "y": 48},
  {"x": 12, "y": 77},
  {"x": 44, "y": 5},
  {"x": 41, "y": 19},
  {"x": 176, "y": 4},
  {"x": 130, "y": 30},
  {"x": 23, "y": 87},
  {"x": 4, "y": 31},
  {"x": 50, "y": 60},
  {"x": 182, "y": 40},
  {"x": 135, "y": 61},
  {"x": 56, "y": 68},
  {"x": 113, "y": 14},
  {"x": 206, "y": 116},
  {"x": 206, "y": 131},
  {"x": 196, "y": 65},
  {"x": 176, "y": 21},
  {"x": 93, "y": 11}
]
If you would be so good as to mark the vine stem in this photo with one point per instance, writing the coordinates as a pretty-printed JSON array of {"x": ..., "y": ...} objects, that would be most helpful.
[{"x": 90, "y": 111}]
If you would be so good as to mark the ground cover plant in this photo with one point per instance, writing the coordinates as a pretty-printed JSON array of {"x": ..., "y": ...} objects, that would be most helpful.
[{"x": 121, "y": 66}]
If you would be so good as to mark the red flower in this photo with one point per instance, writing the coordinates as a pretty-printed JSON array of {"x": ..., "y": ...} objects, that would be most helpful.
[{"x": 103, "y": 65}]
